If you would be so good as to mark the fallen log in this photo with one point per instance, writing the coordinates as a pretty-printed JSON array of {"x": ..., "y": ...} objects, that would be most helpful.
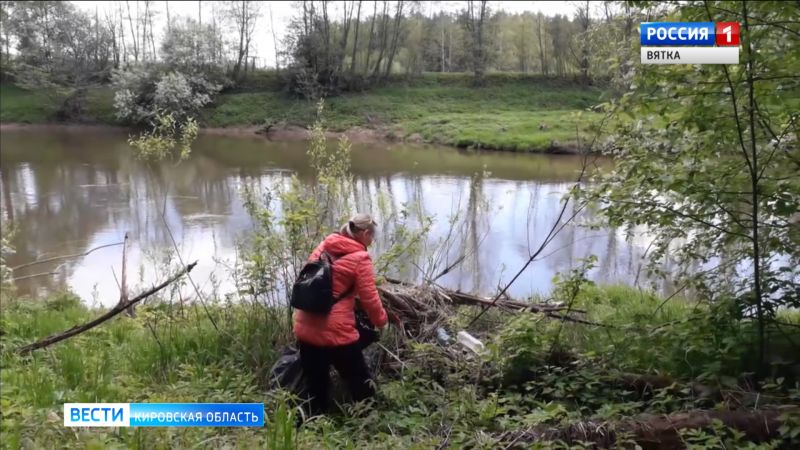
[
  {"x": 655, "y": 431},
  {"x": 118, "y": 308}
]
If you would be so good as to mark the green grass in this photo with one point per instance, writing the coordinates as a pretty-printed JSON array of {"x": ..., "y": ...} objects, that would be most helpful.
[
  {"x": 512, "y": 112},
  {"x": 21, "y": 106},
  {"x": 519, "y": 114},
  {"x": 170, "y": 353}
]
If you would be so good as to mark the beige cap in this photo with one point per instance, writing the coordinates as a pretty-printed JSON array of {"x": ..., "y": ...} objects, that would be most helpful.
[{"x": 359, "y": 222}]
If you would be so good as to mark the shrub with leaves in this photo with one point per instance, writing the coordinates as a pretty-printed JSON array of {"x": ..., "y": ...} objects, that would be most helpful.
[
  {"x": 168, "y": 139},
  {"x": 6, "y": 249},
  {"x": 143, "y": 92}
]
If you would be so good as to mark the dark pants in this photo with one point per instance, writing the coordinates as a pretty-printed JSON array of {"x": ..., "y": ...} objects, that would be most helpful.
[{"x": 348, "y": 361}]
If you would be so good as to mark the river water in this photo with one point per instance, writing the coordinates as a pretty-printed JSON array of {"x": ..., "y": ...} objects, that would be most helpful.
[{"x": 68, "y": 190}]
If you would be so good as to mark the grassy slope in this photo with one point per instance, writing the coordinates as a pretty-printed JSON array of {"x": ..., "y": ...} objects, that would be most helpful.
[
  {"x": 510, "y": 113},
  {"x": 21, "y": 106},
  {"x": 189, "y": 361},
  {"x": 17, "y": 105}
]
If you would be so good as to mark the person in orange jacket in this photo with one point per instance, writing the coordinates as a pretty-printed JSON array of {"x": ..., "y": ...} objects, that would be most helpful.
[{"x": 333, "y": 339}]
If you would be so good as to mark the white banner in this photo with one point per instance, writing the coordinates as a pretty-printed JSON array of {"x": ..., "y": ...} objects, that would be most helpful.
[{"x": 690, "y": 55}]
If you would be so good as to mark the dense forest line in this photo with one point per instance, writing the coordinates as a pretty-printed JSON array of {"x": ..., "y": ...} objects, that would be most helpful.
[{"x": 365, "y": 41}]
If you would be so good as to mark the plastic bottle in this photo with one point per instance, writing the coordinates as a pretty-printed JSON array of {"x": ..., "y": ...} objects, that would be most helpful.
[{"x": 471, "y": 342}]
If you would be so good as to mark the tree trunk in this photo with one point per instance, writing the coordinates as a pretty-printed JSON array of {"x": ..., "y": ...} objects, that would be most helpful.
[
  {"x": 143, "y": 20},
  {"x": 355, "y": 40},
  {"x": 149, "y": 18},
  {"x": 134, "y": 32},
  {"x": 327, "y": 28},
  {"x": 371, "y": 33},
  {"x": 122, "y": 36},
  {"x": 583, "y": 63},
  {"x": 542, "y": 52},
  {"x": 242, "y": 19},
  {"x": 384, "y": 32},
  {"x": 96, "y": 34},
  {"x": 475, "y": 27},
  {"x": 442, "y": 66},
  {"x": 348, "y": 20},
  {"x": 274, "y": 40},
  {"x": 397, "y": 18},
  {"x": 754, "y": 188}
]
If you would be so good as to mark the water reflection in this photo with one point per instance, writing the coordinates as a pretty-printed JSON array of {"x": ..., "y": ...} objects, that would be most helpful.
[{"x": 67, "y": 191}]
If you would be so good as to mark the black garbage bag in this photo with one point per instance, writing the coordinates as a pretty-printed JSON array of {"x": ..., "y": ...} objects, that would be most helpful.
[{"x": 287, "y": 373}]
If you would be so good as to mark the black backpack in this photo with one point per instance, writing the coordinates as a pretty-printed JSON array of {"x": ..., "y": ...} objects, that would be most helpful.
[{"x": 313, "y": 290}]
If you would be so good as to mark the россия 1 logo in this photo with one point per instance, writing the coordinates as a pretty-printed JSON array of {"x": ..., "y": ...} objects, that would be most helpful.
[{"x": 689, "y": 42}]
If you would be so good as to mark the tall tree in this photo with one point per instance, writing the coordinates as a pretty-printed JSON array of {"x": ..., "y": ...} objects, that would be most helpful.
[
  {"x": 355, "y": 40},
  {"x": 475, "y": 22},
  {"x": 244, "y": 14},
  {"x": 371, "y": 34},
  {"x": 384, "y": 33},
  {"x": 583, "y": 20},
  {"x": 398, "y": 17},
  {"x": 274, "y": 40},
  {"x": 347, "y": 19},
  {"x": 717, "y": 183},
  {"x": 540, "y": 32},
  {"x": 134, "y": 30}
]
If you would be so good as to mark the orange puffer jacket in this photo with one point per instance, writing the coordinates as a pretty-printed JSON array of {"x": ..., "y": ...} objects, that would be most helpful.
[{"x": 352, "y": 269}]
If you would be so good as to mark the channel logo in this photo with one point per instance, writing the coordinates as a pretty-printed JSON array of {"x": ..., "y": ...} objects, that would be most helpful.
[
  {"x": 689, "y": 42},
  {"x": 163, "y": 415}
]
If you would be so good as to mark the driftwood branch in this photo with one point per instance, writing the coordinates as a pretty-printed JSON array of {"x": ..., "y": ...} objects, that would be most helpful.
[
  {"x": 56, "y": 258},
  {"x": 78, "y": 329}
]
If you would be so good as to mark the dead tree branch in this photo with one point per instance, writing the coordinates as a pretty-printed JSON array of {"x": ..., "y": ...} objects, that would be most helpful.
[
  {"x": 56, "y": 258},
  {"x": 78, "y": 329}
]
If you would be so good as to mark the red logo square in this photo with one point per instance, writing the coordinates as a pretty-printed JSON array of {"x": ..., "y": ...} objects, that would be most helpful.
[{"x": 727, "y": 34}]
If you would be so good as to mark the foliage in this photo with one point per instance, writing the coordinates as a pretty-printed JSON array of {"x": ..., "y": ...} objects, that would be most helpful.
[
  {"x": 476, "y": 20},
  {"x": 6, "y": 250},
  {"x": 144, "y": 92},
  {"x": 220, "y": 352},
  {"x": 290, "y": 219},
  {"x": 611, "y": 43},
  {"x": 169, "y": 352},
  {"x": 56, "y": 44},
  {"x": 193, "y": 47},
  {"x": 708, "y": 162},
  {"x": 168, "y": 139}
]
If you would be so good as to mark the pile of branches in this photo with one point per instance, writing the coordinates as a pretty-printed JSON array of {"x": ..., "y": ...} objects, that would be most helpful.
[{"x": 421, "y": 310}]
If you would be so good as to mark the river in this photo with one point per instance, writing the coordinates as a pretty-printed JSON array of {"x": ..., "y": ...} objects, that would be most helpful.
[{"x": 68, "y": 190}]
